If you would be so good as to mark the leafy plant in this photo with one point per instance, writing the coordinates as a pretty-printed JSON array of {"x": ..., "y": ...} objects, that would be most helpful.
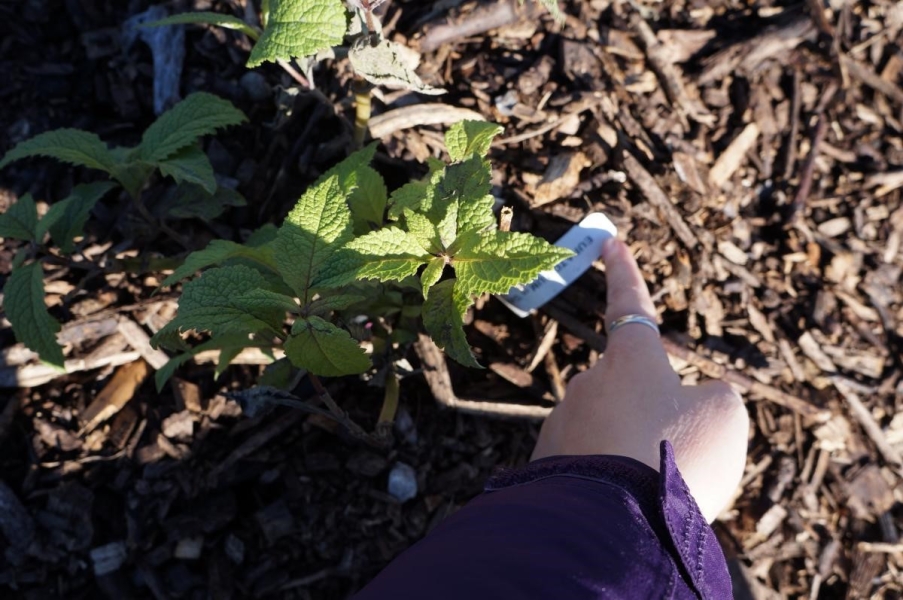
[
  {"x": 345, "y": 234},
  {"x": 169, "y": 145},
  {"x": 303, "y": 28}
]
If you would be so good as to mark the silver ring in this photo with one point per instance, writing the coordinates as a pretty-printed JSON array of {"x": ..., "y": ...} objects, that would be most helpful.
[{"x": 621, "y": 321}]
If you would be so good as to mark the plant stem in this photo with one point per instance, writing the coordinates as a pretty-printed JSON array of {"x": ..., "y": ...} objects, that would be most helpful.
[
  {"x": 361, "y": 111},
  {"x": 390, "y": 405},
  {"x": 340, "y": 415}
]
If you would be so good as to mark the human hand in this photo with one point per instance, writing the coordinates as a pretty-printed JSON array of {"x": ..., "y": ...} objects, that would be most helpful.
[{"x": 632, "y": 399}]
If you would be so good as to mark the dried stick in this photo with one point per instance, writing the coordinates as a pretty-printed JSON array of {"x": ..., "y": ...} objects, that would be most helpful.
[
  {"x": 818, "y": 135},
  {"x": 438, "y": 378},
  {"x": 484, "y": 18},
  {"x": 864, "y": 417},
  {"x": 414, "y": 116},
  {"x": 657, "y": 198}
]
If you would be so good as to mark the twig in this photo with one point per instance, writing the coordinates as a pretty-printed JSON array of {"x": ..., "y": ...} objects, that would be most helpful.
[
  {"x": 672, "y": 80},
  {"x": 808, "y": 172},
  {"x": 338, "y": 414},
  {"x": 867, "y": 75},
  {"x": 867, "y": 421},
  {"x": 438, "y": 378},
  {"x": 260, "y": 438},
  {"x": 657, "y": 198},
  {"x": 484, "y": 18},
  {"x": 414, "y": 116}
]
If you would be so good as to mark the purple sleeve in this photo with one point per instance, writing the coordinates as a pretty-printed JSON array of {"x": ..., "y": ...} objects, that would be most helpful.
[{"x": 568, "y": 527}]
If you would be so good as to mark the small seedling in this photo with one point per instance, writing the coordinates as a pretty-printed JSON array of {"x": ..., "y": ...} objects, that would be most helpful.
[
  {"x": 169, "y": 145},
  {"x": 343, "y": 236}
]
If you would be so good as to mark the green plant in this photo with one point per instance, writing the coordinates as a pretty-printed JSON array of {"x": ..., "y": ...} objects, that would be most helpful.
[
  {"x": 309, "y": 29},
  {"x": 169, "y": 145},
  {"x": 348, "y": 248}
]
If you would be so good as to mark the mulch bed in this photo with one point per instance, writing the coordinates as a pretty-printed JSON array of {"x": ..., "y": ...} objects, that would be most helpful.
[{"x": 751, "y": 154}]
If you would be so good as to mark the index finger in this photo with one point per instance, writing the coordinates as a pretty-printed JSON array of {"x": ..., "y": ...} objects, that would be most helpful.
[{"x": 628, "y": 295}]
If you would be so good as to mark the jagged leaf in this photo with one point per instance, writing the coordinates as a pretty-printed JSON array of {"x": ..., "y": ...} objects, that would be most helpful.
[
  {"x": 190, "y": 201},
  {"x": 367, "y": 200},
  {"x": 217, "y": 252},
  {"x": 469, "y": 182},
  {"x": 347, "y": 170},
  {"x": 384, "y": 63},
  {"x": 407, "y": 197},
  {"x": 318, "y": 225},
  {"x": 23, "y": 301},
  {"x": 228, "y": 300},
  {"x": 432, "y": 273},
  {"x": 298, "y": 28},
  {"x": 207, "y": 18},
  {"x": 465, "y": 138},
  {"x": 66, "y": 219},
  {"x": 496, "y": 261},
  {"x": 20, "y": 221},
  {"x": 321, "y": 306},
  {"x": 72, "y": 146},
  {"x": 443, "y": 319},
  {"x": 198, "y": 114},
  {"x": 388, "y": 254},
  {"x": 190, "y": 165},
  {"x": 324, "y": 349}
]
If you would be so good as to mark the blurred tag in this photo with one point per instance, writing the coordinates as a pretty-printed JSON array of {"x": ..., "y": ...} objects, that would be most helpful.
[{"x": 586, "y": 239}]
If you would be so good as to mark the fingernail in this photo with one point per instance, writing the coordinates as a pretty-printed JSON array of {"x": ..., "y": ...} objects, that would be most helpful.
[{"x": 608, "y": 246}]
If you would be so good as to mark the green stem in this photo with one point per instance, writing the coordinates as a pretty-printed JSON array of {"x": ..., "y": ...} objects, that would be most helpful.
[
  {"x": 390, "y": 405},
  {"x": 362, "y": 91}
]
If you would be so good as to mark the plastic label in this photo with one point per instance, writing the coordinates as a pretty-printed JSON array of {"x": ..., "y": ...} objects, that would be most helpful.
[{"x": 585, "y": 239}]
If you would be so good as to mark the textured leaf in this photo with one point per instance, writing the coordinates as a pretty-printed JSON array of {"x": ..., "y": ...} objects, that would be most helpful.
[
  {"x": 72, "y": 146},
  {"x": 190, "y": 165},
  {"x": 23, "y": 302},
  {"x": 263, "y": 235},
  {"x": 298, "y": 28},
  {"x": 407, "y": 197},
  {"x": 324, "y": 349},
  {"x": 432, "y": 273},
  {"x": 207, "y": 18},
  {"x": 388, "y": 254},
  {"x": 443, "y": 319},
  {"x": 190, "y": 201},
  {"x": 384, "y": 64},
  {"x": 465, "y": 138},
  {"x": 321, "y": 306},
  {"x": 469, "y": 182},
  {"x": 228, "y": 300},
  {"x": 318, "y": 225},
  {"x": 217, "y": 252},
  {"x": 66, "y": 219},
  {"x": 497, "y": 261},
  {"x": 131, "y": 173},
  {"x": 197, "y": 115},
  {"x": 347, "y": 170},
  {"x": 20, "y": 221},
  {"x": 367, "y": 200}
]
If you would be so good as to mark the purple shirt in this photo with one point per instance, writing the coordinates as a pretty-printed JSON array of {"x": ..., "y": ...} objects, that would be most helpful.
[{"x": 569, "y": 527}]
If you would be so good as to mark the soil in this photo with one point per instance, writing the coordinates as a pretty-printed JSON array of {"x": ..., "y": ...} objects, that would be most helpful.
[{"x": 751, "y": 154}]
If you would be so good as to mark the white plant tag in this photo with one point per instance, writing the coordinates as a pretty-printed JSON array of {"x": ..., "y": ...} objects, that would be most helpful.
[{"x": 586, "y": 239}]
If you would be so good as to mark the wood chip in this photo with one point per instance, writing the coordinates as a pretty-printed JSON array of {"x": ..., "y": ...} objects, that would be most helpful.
[
  {"x": 115, "y": 394},
  {"x": 732, "y": 157}
]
